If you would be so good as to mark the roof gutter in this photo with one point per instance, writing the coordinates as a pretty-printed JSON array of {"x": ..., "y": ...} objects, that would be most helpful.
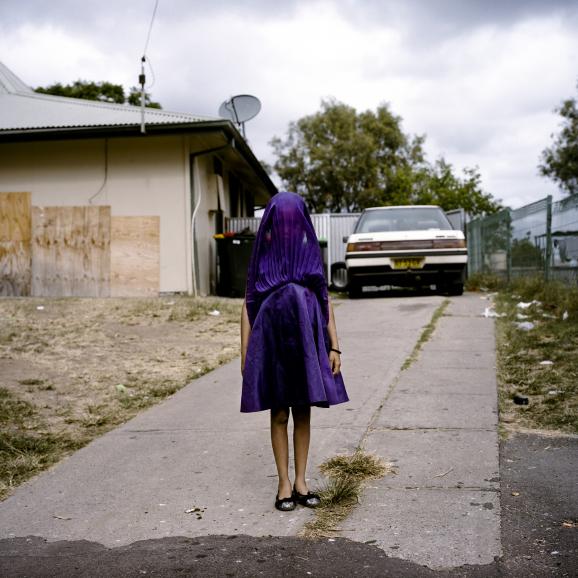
[{"x": 117, "y": 131}]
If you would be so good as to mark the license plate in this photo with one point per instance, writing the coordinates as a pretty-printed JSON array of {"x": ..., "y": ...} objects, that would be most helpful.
[{"x": 408, "y": 263}]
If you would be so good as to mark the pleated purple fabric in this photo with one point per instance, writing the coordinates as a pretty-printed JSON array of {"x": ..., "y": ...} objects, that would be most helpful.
[
  {"x": 286, "y": 250},
  {"x": 287, "y": 361}
]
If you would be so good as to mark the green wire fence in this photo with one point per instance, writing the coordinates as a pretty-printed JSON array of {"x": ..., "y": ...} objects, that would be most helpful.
[{"x": 539, "y": 239}]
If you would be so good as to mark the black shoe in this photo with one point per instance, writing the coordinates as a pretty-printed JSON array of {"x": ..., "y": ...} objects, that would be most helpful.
[
  {"x": 309, "y": 500},
  {"x": 285, "y": 504}
]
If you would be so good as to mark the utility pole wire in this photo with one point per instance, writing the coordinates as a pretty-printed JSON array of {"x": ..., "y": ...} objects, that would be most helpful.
[
  {"x": 142, "y": 77},
  {"x": 150, "y": 28}
]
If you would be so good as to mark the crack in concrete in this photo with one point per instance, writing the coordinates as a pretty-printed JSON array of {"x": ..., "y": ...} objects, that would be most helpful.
[
  {"x": 444, "y": 488},
  {"x": 417, "y": 428},
  {"x": 428, "y": 330}
]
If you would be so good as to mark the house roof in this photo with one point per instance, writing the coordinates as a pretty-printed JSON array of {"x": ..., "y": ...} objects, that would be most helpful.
[
  {"x": 29, "y": 115},
  {"x": 23, "y": 109}
]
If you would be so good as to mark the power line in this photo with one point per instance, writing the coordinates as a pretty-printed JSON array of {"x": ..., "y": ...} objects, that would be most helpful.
[
  {"x": 142, "y": 77},
  {"x": 150, "y": 28}
]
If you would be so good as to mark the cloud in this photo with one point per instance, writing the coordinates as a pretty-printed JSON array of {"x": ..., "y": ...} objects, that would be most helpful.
[
  {"x": 479, "y": 78},
  {"x": 425, "y": 21},
  {"x": 46, "y": 54}
]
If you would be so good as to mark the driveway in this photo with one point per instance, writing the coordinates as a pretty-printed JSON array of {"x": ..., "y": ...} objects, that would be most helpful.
[{"x": 193, "y": 466}]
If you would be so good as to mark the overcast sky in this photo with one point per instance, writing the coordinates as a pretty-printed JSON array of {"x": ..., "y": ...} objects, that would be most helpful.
[{"x": 480, "y": 78}]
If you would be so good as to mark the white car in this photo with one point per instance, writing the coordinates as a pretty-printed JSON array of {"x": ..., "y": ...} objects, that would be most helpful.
[{"x": 406, "y": 246}]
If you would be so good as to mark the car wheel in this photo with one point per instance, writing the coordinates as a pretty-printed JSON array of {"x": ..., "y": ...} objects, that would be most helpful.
[
  {"x": 456, "y": 289},
  {"x": 339, "y": 276},
  {"x": 353, "y": 290}
]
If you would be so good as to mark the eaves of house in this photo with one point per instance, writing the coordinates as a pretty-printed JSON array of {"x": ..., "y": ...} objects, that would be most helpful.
[{"x": 26, "y": 115}]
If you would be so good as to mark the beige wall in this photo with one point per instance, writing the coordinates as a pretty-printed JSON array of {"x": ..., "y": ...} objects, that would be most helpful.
[
  {"x": 136, "y": 176},
  {"x": 146, "y": 176}
]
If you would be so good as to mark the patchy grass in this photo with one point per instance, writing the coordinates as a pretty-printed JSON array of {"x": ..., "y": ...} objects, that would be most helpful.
[
  {"x": 72, "y": 369},
  {"x": 551, "y": 388},
  {"x": 26, "y": 447},
  {"x": 483, "y": 282},
  {"x": 347, "y": 474},
  {"x": 425, "y": 335}
]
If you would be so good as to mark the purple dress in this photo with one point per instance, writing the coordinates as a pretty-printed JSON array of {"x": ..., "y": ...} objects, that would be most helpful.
[{"x": 287, "y": 361}]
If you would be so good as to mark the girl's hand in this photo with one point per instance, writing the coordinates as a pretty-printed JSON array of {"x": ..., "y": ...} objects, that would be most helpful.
[{"x": 335, "y": 362}]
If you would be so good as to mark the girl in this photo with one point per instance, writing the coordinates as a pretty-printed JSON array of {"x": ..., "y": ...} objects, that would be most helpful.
[{"x": 290, "y": 356}]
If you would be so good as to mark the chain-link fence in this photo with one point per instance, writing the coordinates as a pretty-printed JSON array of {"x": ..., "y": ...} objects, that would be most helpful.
[{"x": 537, "y": 239}]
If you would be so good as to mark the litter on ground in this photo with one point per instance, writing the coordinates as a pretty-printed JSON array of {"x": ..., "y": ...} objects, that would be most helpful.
[
  {"x": 523, "y": 305},
  {"x": 524, "y": 325},
  {"x": 489, "y": 312}
]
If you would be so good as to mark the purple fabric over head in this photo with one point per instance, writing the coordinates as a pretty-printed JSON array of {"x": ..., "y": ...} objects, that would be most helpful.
[
  {"x": 287, "y": 362},
  {"x": 286, "y": 250}
]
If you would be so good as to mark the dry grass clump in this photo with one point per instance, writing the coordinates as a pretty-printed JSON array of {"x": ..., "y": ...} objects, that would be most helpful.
[
  {"x": 359, "y": 466},
  {"x": 347, "y": 474},
  {"x": 340, "y": 491}
]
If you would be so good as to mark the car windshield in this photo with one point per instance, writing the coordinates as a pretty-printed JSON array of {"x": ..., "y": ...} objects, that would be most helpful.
[{"x": 402, "y": 219}]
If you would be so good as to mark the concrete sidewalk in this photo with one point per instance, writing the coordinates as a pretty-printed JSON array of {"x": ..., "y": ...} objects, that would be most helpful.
[
  {"x": 437, "y": 420},
  {"x": 439, "y": 426}
]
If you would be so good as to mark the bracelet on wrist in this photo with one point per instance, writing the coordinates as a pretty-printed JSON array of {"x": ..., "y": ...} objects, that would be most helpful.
[{"x": 336, "y": 350}]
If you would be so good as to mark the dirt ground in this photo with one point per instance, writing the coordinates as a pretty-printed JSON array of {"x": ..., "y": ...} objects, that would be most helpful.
[{"x": 74, "y": 368}]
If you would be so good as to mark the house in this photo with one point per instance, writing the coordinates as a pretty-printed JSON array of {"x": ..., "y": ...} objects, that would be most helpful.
[{"x": 166, "y": 189}]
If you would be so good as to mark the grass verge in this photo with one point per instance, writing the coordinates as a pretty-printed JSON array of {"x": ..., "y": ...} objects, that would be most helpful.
[
  {"x": 346, "y": 477},
  {"x": 73, "y": 369},
  {"x": 26, "y": 447},
  {"x": 537, "y": 363}
]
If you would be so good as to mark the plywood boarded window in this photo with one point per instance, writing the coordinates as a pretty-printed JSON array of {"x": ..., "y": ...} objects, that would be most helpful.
[
  {"x": 135, "y": 257},
  {"x": 71, "y": 251},
  {"x": 15, "y": 255}
]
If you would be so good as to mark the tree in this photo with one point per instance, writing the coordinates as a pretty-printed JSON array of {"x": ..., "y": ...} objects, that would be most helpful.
[
  {"x": 135, "y": 96},
  {"x": 341, "y": 160},
  {"x": 444, "y": 188},
  {"x": 101, "y": 91},
  {"x": 560, "y": 161},
  {"x": 525, "y": 254}
]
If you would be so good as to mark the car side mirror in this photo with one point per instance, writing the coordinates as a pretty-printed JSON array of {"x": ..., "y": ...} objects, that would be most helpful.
[{"x": 345, "y": 238}]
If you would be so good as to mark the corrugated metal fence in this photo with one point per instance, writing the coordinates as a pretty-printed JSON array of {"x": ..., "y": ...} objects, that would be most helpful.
[{"x": 330, "y": 228}]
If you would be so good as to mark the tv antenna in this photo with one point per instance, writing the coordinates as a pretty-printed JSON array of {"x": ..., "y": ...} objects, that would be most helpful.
[
  {"x": 142, "y": 76},
  {"x": 240, "y": 109}
]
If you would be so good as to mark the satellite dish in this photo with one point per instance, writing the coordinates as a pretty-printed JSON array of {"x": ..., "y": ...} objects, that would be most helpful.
[{"x": 240, "y": 109}]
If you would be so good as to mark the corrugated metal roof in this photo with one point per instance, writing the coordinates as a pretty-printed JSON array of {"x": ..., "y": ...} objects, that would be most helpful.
[
  {"x": 10, "y": 83},
  {"x": 23, "y": 109}
]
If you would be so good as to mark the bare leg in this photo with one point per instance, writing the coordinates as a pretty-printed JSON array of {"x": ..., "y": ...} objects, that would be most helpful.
[
  {"x": 301, "y": 437},
  {"x": 279, "y": 441}
]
